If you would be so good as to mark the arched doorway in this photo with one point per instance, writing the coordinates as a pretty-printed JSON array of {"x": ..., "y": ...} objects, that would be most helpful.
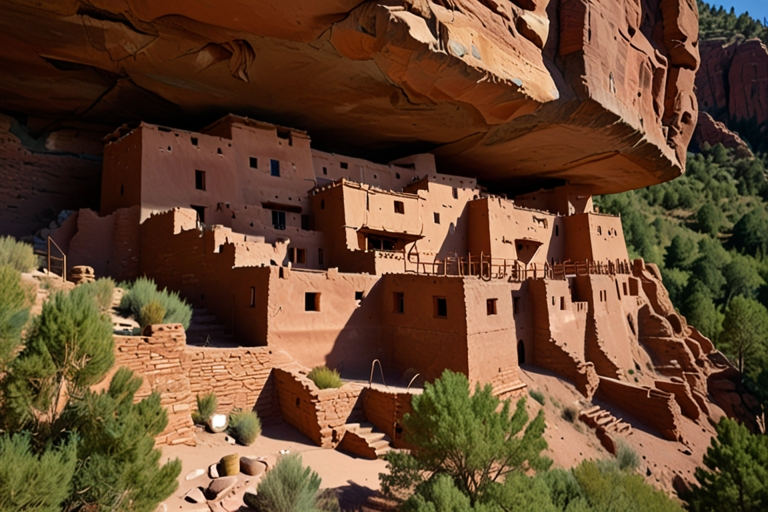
[{"x": 520, "y": 352}]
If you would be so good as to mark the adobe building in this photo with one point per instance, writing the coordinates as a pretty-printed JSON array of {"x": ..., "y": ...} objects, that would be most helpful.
[{"x": 338, "y": 261}]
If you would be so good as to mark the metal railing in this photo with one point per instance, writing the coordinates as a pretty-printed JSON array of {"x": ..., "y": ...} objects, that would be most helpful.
[{"x": 56, "y": 260}]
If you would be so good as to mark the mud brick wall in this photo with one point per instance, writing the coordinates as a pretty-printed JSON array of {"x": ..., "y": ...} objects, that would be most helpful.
[
  {"x": 158, "y": 359},
  {"x": 386, "y": 410},
  {"x": 240, "y": 377},
  {"x": 319, "y": 414}
]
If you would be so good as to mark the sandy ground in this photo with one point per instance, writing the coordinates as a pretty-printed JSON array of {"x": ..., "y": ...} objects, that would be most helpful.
[{"x": 354, "y": 478}]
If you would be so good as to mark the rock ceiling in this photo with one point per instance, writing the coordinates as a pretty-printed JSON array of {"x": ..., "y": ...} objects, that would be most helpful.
[{"x": 516, "y": 93}]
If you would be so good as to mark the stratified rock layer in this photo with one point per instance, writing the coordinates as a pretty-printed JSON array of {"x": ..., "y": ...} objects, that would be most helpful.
[{"x": 595, "y": 92}]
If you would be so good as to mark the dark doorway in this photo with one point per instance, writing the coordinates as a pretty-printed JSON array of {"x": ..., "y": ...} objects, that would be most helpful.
[{"x": 520, "y": 352}]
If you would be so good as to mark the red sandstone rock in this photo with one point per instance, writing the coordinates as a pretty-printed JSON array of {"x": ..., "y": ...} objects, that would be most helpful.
[
  {"x": 468, "y": 75},
  {"x": 714, "y": 132}
]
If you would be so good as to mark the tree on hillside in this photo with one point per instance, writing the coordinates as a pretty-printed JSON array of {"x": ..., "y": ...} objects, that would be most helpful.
[
  {"x": 680, "y": 253},
  {"x": 88, "y": 450},
  {"x": 735, "y": 473},
  {"x": 709, "y": 219},
  {"x": 742, "y": 277},
  {"x": 745, "y": 334},
  {"x": 699, "y": 310},
  {"x": 472, "y": 438},
  {"x": 14, "y": 311},
  {"x": 750, "y": 233}
]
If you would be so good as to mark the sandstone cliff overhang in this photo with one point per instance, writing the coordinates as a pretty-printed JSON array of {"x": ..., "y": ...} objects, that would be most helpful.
[{"x": 519, "y": 93}]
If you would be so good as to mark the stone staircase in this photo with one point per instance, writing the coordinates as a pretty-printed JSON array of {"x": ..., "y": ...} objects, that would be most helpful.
[
  {"x": 507, "y": 384},
  {"x": 205, "y": 328},
  {"x": 363, "y": 440},
  {"x": 600, "y": 419}
]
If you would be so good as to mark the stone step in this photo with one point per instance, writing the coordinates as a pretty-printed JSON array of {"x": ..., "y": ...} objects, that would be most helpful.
[{"x": 592, "y": 410}]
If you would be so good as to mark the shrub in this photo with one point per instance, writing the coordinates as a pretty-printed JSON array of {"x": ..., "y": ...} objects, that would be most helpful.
[
  {"x": 17, "y": 254},
  {"x": 244, "y": 426},
  {"x": 33, "y": 482},
  {"x": 206, "y": 407},
  {"x": 14, "y": 312},
  {"x": 570, "y": 414},
  {"x": 538, "y": 396},
  {"x": 101, "y": 290},
  {"x": 325, "y": 378},
  {"x": 626, "y": 457},
  {"x": 290, "y": 487},
  {"x": 143, "y": 291},
  {"x": 151, "y": 313}
]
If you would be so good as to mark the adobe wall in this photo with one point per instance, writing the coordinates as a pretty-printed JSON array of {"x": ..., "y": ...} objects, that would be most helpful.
[
  {"x": 332, "y": 167},
  {"x": 319, "y": 414},
  {"x": 420, "y": 340},
  {"x": 36, "y": 186},
  {"x": 240, "y": 377},
  {"x": 386, "y": 409},
  {"x": 122, "y": 172},
  {"x": 594, "y": 237},
  {"x": 656, "y": 408}
]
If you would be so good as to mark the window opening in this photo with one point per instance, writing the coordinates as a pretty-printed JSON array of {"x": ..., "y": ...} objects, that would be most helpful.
[
  {"x": 320, "y": 257},
  {"x": 399, "y": 207},
  {"x": 200, "y": 211},
  {"x": 122, "y": 190},
  {"x": 274, "y": 168},
  {"x": 399, "y": 302},
  {"x": 455, "y": 192},
  {"x": 441, "y": 307},
  {"x": 308, "y": 222},
  {"x": 278, "y": 219},
  {"x": 325, "y": 170},
  {"x": 311, "y": 301},
  {"x": 437, "y": 218},
  {"x": 301, "y": 255},
  {"x": 377, "y": 243},
  {"x": 358, "y": 295},
  {"x": 253, "y": 296},
  {"x": 515, "y": 305},
  {"x": 344, "y": 165},
  {"x": 322, "y": 204},
  {"x": 490, "y": 306},
  {"x": 200, "y": 180},
  {"x": 253, "y": 162},
  {"x": 193, "y": 140},
  {"x": 562, "y": 303},
  {"x": 520, "y": 352}
]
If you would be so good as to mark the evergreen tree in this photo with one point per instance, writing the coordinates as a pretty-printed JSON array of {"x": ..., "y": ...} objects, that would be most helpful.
[
  {"x": 709, "y": 219},
  {"x": 750, "y": 234},
  {"x": 700, "y": 311},
  {"x": 745, "y": 334},
  {"x": 471, "y": 438},
  {"x": 14, "y": 311},
  {"x": 736, "y": 472},
  {"x": 680, "y": 253}
]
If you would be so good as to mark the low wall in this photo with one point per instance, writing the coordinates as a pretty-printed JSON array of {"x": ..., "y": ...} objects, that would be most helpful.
[
  {"x": 240, "y": 377},
  {"x": 386, "y": 410},
  {"x": 319, "y": 414}
]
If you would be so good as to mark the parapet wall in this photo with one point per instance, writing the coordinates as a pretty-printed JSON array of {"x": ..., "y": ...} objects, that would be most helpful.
[{"x": 240, "y": 377}]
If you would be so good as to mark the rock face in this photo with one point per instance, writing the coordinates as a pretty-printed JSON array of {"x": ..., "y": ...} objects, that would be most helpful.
[
  {"x": 515, "y": 93},
  {"x": 714, "y": 132},
  {"x": 732, "y": 82}
]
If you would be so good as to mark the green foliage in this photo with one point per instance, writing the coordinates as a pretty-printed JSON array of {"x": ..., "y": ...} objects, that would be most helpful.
[
  {"x": 206, "y": 407},
  {"x": 700, "y": 310},
  {"x": 718, "y": 22},
  {"x": 290, "y": 487},
  {"x": 745, "y": 334},
  {"x": 325, "y": 378},
  {"x": 120, "y": 467},
  {"x": 18, "y": 255},
  {"x": 143, "y": 291},
  {"x": 32, "y": 482},
  {"x": 14, "y": 312},
  {"x": 70, "y": 346},
  {"x": 709, "y": 219},
  {"x": 151, "y": 313},
  {"x": 538, "y": 396},
  {"x": 570, "y": 414},
  {"x": 440, "y": 495},
  {"x": 750, "y": 233},
  {"x": 735, "y": 474},
  {"x": 680, "y": 253},
  {"x": 741, "y": 277},
  {"x": 101, "y": 290},
  {"x": 474, "y": 439},
  {"x": 244, "y": 426},
  {"x": 626, "y": 457}
]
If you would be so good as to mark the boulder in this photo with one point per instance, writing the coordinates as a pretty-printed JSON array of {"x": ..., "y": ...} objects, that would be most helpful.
[
  {"x": 253, "y": 466},
  {"x": 194, "y": 474},
  {"x": 195, "y": 495},
  {"x": 220, "y": 487}
]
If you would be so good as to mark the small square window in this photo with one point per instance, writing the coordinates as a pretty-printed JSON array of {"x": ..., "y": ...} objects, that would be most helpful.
[
  {"x": 436, "y": 217},
  {"x": 253, "y": 162},
  {"x": 253, "y": 297},
  {"x": 278, "y": 220},
  {"x": 301, "y": 255},
  {"x": 193, "y": 140},
  {"x": 311, "y": 301},
  {"x": 344, "y": 165},
  {"x": 399, "y": 207},
  {"x": 490, "y": 306},
  {"x": 274, "y": 168},
  {"x": 515, "y": 305},
  {"x": 441, "y": 307},
  {"x": 325, "y": 170},
  {"x": 200, "y": 180},
  {"x": 358, "y": 295},
  {"x": 398, "y": 299},
  {"x": 308, "y": 222}
]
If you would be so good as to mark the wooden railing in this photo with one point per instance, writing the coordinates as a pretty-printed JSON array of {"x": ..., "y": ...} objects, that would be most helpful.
[
  {"x": 485, "y": 267},
  {"x": 54, "y": 261}
]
